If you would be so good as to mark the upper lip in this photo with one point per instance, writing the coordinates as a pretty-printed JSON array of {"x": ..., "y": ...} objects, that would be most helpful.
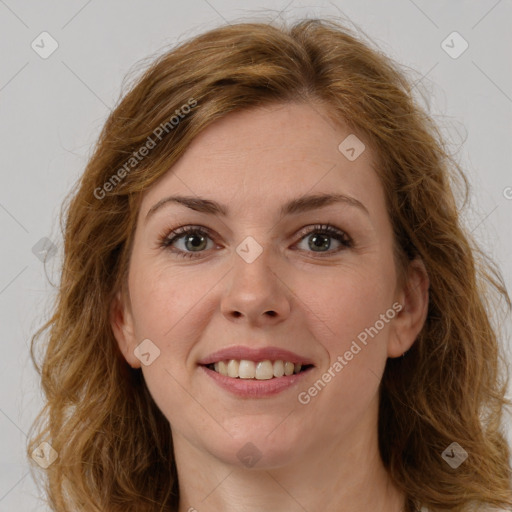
[{"x": 255, "y": 354}]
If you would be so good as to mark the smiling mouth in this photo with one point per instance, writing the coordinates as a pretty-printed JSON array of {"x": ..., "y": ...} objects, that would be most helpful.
[{"x": 260, "y": 370}]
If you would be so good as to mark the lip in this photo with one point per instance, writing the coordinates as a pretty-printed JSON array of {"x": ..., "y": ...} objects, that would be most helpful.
[
  {"x": 256, "y": 355},
  {"x": 252, "y": 388}
]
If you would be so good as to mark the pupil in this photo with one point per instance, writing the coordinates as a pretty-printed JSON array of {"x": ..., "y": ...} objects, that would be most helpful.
[
  {"x": 198, "y": 240},
  {"x": 323, "y": 239}
]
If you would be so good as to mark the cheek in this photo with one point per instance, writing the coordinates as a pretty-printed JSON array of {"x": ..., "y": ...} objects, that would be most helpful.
[
  {"x": 347, "y": 302},
  {"x": 350, "y": 315},
  {"x": 345, "y": 317},
  {"x": 164, "y": 297},
  {"x": 168, "y": 305}
]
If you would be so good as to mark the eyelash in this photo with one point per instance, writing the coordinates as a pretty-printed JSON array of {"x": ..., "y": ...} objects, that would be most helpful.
[{"x": 167, "y": 239}]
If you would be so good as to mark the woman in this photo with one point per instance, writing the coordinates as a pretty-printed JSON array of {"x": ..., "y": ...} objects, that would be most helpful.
[{"x": 267, "y": 299}]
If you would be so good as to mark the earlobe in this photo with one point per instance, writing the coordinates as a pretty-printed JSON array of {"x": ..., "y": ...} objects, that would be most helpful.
[
  {"x": 414, "y": 298},
  {"x": 121, "y": 321}
]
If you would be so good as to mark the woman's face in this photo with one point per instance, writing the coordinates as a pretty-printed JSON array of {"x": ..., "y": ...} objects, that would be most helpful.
[{"x": 262, "y": 276}]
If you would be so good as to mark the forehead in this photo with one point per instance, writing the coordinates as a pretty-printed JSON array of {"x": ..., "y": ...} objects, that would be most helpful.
[{"x": 267, "y": 155}]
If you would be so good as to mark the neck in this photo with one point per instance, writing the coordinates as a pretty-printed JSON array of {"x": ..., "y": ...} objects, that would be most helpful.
[{"x": 343, "y": 475}]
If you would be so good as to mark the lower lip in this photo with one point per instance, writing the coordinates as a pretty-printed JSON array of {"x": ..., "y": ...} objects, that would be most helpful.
[{"x": 253, "y": 388}]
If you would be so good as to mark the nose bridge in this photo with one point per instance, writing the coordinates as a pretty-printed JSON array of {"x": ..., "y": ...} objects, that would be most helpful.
[
  {"x": 256, "y": 291},
  {"x": 253, "y": 270}
]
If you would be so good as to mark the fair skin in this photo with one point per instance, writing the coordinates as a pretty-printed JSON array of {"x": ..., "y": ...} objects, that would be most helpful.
[{"x": 322, "y": 455}]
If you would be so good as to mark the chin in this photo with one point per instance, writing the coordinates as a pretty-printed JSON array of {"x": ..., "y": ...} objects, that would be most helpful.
[{"x": 260, "y": 446}]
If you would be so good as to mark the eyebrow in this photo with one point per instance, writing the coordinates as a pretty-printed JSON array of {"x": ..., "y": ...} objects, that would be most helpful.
[{"x": 293, "y": 207}]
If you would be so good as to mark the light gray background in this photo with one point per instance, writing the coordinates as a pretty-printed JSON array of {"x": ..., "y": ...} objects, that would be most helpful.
[{"x": 51, "y": 111}]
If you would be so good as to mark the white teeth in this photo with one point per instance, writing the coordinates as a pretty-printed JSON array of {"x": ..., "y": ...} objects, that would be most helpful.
[
  {"x": 247, "y": 369},
  {"x": 233, "y": 368},
  {"x": 278, "y": 369},
  {"x": 262, "y": 370},
  {"x": 223, "y": 368}
]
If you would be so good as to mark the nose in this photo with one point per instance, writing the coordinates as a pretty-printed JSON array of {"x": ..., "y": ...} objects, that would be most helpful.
[{"x": 256, "y": 293}]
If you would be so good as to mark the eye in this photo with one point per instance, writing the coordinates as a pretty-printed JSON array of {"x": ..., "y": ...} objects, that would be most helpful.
[
  {"x": 194, "y": 239},
  {"x": 321, "y": 239}
]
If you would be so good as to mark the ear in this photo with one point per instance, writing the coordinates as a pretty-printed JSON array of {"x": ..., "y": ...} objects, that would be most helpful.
[
  {"x": 121, "y": 320},
  {"x": 413, "y": 298}
]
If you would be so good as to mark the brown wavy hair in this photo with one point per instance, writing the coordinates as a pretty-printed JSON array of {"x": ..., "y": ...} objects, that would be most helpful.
[{"x": 114, "y": 445}]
